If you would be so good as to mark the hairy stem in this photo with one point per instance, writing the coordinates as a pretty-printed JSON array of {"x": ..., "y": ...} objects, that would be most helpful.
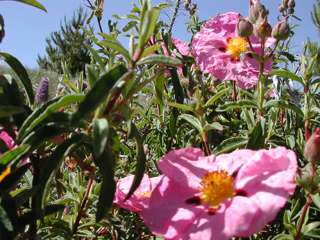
[{"x": 174, "y": 16}]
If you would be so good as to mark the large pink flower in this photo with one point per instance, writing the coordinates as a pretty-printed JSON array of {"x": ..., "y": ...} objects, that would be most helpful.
[
  {"x": 236, "y": 194},
  {"x": 140, "y": 198},
  {"x": 217, "y": 48}
]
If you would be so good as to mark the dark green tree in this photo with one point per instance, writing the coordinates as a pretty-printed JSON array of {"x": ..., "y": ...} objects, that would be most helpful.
[{"x": 66, "y": 48}]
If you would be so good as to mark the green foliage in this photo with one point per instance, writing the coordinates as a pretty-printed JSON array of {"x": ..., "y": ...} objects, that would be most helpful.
[{"x": 66, "y": 48}]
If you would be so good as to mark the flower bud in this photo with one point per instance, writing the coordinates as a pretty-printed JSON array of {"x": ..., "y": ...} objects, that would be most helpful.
[
  {"x": 291, "y": 4},
  {"x": 188, "y": 1},
  {"x": 244, "y": 27},
  {"x": 285, "y": 3},
  {"x": 312, "y": 148},
  {"x": 186, "y": 5},
  {"x": 262, "y": 26},
  {"x": 193, "y": 7},
  {"x": 281, "y": 8},
  {"x": 254, "y": 10},
  {"x": 291, "y": 11},
  {"x": 281, "y": 30},
  {"x": 307, "y": 180}
]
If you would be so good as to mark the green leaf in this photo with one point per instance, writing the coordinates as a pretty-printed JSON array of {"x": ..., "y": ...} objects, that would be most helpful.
[
  {"x": 150, "y": 50},
  {"x": 100, "y": 135},
  {"x": 116, "y": 45},
  {"x": 9, "y": 156},
  {"x": 98, "y": 93},
  {"x": 21, "y": 72},
  {"x": 148, "y": 23},
  {"x": 92, "y": 74},
  {"x": 129, "y": 25},
  {"x": 288, "y": 74},
  {"x": 238, "y": 104},
  {"x": 216, "y": 97},
  {"x": 283, "y": 104},
  {"x": 33, "y": 3},
  {"x": 97, "y": 58},
  {"x": 177, "y": 85},
  {"x": 50, "y": 167},
  {"x": 105, "y": 163},
  {"x": 229, "y": 144},
  {"x": 160, "y": 60},
  {"x": 44, "y": 111},
  {"x": 141, "y": 158},
  {"x": 10, "y": 110},
  {"x": 180, "y": 106},
  {"x": 193, "y": 121},
  {"x": 258, "y": 135},
  {"x": 213, "y": 126}
]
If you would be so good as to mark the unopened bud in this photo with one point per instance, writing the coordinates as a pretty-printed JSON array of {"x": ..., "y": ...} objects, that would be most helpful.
[
  {"x": 292, "y": 4},
  {"x": 254, "y": 10},
  {"x": 281, "y": 8},
  {"x": 188, "y": 1},
  {"x": 186, "y": 5},
  {"x": 312, "y": 148},
  {"x": 285, "y": 3},
  {"x": 262, "y": 28},
  {"x": 193, "y": 7},
  {"x": 307, "y": 180},
  {"x": 291, "y": 11},
  {"x": 42, "y": 94},
  {"x": 244, "y": 27},
  {"x": 281, "y": 30}
]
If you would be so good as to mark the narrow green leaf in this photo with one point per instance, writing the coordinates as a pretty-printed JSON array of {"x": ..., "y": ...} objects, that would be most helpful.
[
  {"x": 92, "y": 74},
  {"x": 129, "y": 25},
  {"x": 288, "y": 74},
  {"x": 105, "y": 163},
  {"x": 216, "y": 97},
  {"x": 21, "y": 72},
  {"x": 50, "y": 167},
  {"x": 160, "y": 60},
  {"x": 177, "y": 85},
  {"x": 213, "y": 126},
  {"x": 141, "y": 158},
  {"x": 33, "y": 3},
  {"x": 114, "y": 44},
  {"x": 148, "y": 23},
  {"x": 100, "y": 135},
  {"x": 98, "y": 93},
  {"x": 9, "y": 156},
  {"x": 96, "y": 57},
  {"x": 193, "y": 121},
  {"x": 258, "y": 135},
  {"x": 229, "y": 144},
  {"x": 180, "y": 106},
  {"x": 10, "y": 110},
  {"x": 283, "y": 104},
  {"x": 234, "y": 105},
  {"x": 150, "y": 50},
  {"x": 44, "y": 111}
]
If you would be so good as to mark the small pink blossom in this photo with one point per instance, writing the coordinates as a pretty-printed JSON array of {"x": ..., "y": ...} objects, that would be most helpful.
[
  {"x": 187, "y": 202},
  {"x": 140, "y": 198},
  {"x": 213, "y": 54},
  {"x": 10, "y": 143}
]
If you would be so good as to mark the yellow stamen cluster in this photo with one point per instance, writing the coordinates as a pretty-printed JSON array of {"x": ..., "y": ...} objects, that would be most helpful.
[
  {"x": 216, "y": 186},
  {"x": 236, "y": 46},
  {"x": 144, "y": 194},
  {"x": 6, "y": 173}
]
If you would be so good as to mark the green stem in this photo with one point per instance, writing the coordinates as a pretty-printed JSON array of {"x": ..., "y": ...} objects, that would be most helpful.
[
  {"x": 305, "y": 209},
  {"x": 261, "y": 80}
]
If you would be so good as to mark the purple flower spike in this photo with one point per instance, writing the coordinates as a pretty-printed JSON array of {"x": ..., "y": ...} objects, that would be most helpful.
[{"x": 42, "y": 94}]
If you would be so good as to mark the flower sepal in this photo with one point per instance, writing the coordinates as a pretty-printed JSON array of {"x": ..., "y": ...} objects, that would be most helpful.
[{"x": 307, "y": 180}]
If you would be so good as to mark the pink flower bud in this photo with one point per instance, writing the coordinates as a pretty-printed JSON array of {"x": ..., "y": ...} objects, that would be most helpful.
[
  {"x": 292, "y": 4},
  {"x": 312, "y": 148},
  {"x": 244, "y": 27},
  {"x": 262, "y": 28},
  {"x": 281, "y": 30},
  {"x": 254, "y": 10}
]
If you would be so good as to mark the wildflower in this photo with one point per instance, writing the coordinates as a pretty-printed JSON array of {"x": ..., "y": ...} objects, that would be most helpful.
[
  {"x": 231, "y": 195},
  {"x": 217, "y": 49},
  {"x": 42, "y": 94},
  {"x": 140, "y": 198}
]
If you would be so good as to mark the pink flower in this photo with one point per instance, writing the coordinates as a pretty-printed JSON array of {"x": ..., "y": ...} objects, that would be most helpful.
[
  {"x": 140, "y": 198},
  {"x": 10, "y": 143},
  {"x": 236, "y": 194},
  {"x": 180, "y": 45},
  {"x": 217, "y": 48}
]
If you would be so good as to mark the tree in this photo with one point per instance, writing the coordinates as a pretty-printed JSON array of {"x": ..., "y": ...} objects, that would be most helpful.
[{"x": 66, "y": 48}]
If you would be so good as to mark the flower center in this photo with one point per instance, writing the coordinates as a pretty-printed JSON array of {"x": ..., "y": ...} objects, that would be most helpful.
[
  {"x": 216, "y": 186},
  {"x": 144, "y": 194},
  {"x": 236, "y": 46}
]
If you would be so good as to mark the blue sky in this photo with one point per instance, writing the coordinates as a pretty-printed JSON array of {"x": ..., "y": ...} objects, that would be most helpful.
[{"x": 27, "y": 27}]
